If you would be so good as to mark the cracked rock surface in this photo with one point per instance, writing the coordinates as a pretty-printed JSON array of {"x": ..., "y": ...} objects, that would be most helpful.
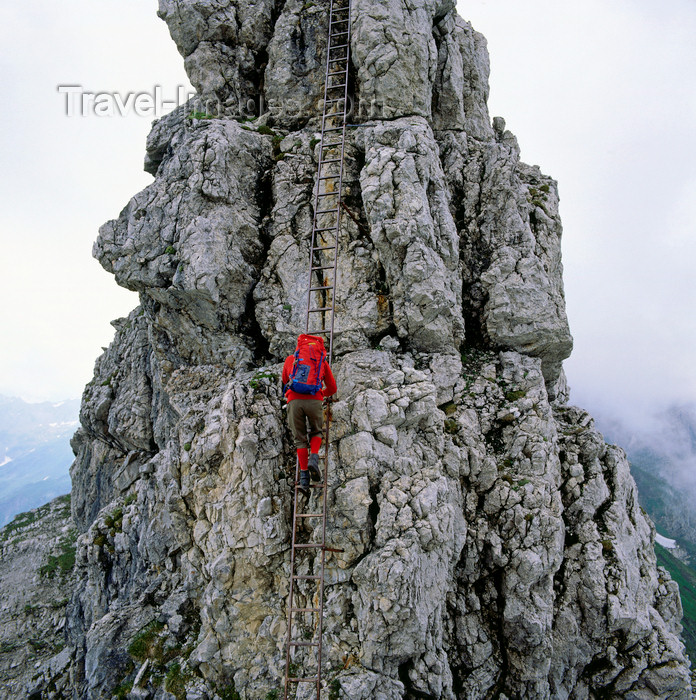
[{"x": 493, "y": 545}]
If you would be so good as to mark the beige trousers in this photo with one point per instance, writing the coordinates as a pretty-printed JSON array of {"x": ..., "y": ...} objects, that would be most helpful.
[{"x": 302, "y": 412}]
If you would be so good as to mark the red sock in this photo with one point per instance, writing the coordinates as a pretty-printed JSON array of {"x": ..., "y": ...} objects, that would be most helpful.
[
  {"x": 315, "y": 444},
  {"x": 303, "y": 457}
]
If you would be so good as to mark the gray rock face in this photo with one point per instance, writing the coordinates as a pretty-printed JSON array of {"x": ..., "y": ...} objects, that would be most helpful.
[
  {"x": 492, "y": 543},
  {"x": 37, "y": 553}
]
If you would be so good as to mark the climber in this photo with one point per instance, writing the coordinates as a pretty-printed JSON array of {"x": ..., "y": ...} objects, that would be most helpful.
[{"x": 307, "y": 380}]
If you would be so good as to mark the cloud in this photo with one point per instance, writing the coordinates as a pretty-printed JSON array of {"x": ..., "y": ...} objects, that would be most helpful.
[
  {"x": 64, "y": 177},
  {"x": 602, "y": 96}
]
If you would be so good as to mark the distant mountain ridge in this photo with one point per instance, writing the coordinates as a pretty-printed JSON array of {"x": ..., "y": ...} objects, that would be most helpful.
[
  {"x": 663, "y": 463},
  {"x": 35, "y": 452}
]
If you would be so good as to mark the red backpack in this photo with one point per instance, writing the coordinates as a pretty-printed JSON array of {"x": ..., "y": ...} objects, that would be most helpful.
[{"x": 308, "y": 369}]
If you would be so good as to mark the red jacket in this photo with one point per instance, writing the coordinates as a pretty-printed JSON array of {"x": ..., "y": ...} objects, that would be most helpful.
[{"x": 327, "y": 376}]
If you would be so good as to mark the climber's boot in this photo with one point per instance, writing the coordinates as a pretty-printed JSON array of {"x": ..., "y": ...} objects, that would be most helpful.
[
  {"x": 304, "y": 481},
  {"x": 313, "y": 465}
]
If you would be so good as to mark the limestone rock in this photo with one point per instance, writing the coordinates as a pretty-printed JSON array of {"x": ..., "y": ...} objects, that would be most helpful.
[
  {"x": 492, "y": 545},
  {"x": 37, "y": 553}
]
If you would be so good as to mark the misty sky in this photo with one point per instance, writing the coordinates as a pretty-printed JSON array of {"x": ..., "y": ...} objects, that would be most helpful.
[{"x": 601, "y": 95}]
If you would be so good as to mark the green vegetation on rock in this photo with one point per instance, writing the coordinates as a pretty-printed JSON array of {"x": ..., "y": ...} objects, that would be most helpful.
[
  {"x": 65, "y": 561},
  {"x": 685, "y": 576}
]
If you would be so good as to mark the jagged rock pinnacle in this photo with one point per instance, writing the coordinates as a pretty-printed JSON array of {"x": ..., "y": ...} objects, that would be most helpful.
[{"x": 493, "y": 544}]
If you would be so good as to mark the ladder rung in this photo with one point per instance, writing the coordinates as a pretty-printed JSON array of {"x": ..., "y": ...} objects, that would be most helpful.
[
  {"x": 336, "y": 99},
  {"x": 331, "y": 75},
  {"x": 308, "y": 546},
  {"x": 339, "y": 46},
  {"x": 326, "y": 247},
  {"x": 331, "y": 160},
  {"x": 304, "y": 644},
  {"x": 324, "y": 331},
  {"x": 328, "y": 194},
  {"x": 326, "y": 211},
  {"x": 317, "y": 289},
  {"x": 303, "y": 680},
  {"x": 323, "y": 267},
  {"x": 307, "y": 578},
  {"x": 316, "y": 311}
]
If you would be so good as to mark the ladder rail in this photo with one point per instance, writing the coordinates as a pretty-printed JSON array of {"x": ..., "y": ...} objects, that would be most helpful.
[{"x": 333, "y": 110}]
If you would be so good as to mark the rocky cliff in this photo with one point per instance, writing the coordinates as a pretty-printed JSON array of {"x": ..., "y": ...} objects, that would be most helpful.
[
  {"x": 493, "y": 545},
  {"x": 37, "y": 578}
]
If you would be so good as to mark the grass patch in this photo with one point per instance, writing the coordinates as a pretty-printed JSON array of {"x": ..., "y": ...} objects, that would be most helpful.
[
  {"x": 147, "y": 643},
  {"x": 449, "y": 408},
  {"x": 114, "y": 521},
  {"x": 65, "y": 561},
  {"x": 256, "y": 380},
  {"x": 451, "y": 426},
  {"x": 200, "y": 115},
  {"x": 121, "y": 692},
  {"x": 176, "y": 679},
  {"x": 20, "y": 521},
  {"x": 228, "y": 692},
  {"x": 505, "y": 464},
  {"x": 334, "y": 689}
]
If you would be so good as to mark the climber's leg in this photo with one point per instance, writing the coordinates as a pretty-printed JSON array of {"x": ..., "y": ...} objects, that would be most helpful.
[
  {"x": 315, "y": 416},
  {"x": 298, "y": 427},
  {"x": 296, "y": 421}
]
